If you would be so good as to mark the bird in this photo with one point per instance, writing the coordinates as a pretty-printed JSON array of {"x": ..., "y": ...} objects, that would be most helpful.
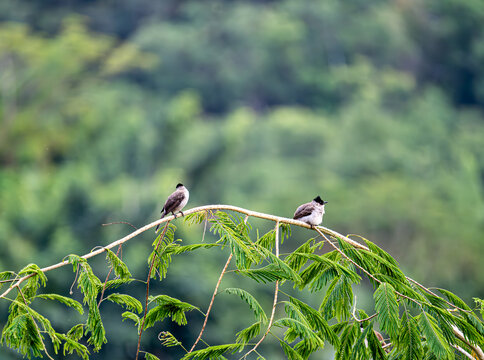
[
  {"x": 175, "y": 202},
  {"x": 312, "y": 212}
]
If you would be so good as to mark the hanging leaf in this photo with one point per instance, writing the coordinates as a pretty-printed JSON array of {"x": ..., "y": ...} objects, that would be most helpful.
[
  {"x": 251, "y": 301},
  {"x": 433, "y": 335},
  {"x": 119, "y": 267},
  {"x": 387, "y": 308}
]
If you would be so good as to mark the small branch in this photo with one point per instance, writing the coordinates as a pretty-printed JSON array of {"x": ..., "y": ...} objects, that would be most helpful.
[
  {"x": 107, "y": 277},
  {"x": 463, "y": 352},
  {"x": 148, "y": 286},
  {"x": 211, "y": 302},
  {"x": 273, "y": 311},
  {"x": 353, "y": 313},
  {"x": 120, "y": 222},
  {"x": 478, "y": 351}
]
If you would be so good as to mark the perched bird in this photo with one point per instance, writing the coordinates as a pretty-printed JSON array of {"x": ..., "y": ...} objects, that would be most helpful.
[
  {"x": 175, "y": 202},
  {"x": 311, "y": 213}
]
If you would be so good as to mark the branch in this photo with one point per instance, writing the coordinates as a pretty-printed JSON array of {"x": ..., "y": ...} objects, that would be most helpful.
[
  {"x": 271, "y": 320},
  {"x": 187, "y": 212},
  {"x": 211, "y": 303},
  {"x": 461, "y": 336},
  {"x": 277, "y": 219},
  {"x": 148, "y": 286}
]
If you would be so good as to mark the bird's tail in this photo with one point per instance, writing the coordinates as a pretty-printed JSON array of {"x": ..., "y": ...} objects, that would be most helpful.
[{"x": 163, "y": 214}]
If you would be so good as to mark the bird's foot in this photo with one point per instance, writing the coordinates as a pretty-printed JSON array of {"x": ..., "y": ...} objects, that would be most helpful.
[
  {"x": 182, "y": 213},
  {"x": 174, "y": 215}
]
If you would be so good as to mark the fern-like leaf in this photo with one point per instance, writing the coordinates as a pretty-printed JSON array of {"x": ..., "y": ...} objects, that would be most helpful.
[
  {"x": 408, "y": 342},
  {"x": 251, "y": 301},
  {"x": 433, "y": 335},
  {"x": 387, "y": 308},
  {"x": 167, "y": 339},
  {"x": 213, "y": 352},
  {"x": 126, "y": 300},
  {"x": 290, "y": 352},
  {"x": 119, "y": 267},
  {"x": 247, "y": 334},
  {"x": 167, "y": 307},
  {"x": 63, "y": 299}
]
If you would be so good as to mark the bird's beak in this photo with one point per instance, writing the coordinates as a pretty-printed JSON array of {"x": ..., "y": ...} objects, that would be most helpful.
[{"x": 324, "y": 202}]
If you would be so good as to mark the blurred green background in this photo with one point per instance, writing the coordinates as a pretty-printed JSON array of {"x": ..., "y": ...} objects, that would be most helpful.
[{"x": 105, "y": 106}]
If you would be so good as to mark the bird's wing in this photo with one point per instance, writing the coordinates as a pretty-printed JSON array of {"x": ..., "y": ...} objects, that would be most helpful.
[
  {"x": 173, "y": 201},
  {"x": 303, "y": 210}
]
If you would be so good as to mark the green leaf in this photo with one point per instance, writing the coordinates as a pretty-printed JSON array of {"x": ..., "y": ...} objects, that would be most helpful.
[
  {"x": 196, "y": 218},
  {"x": 454, "y": 299},
  {"x": 267, "y": 240},
  {"x": 166, "y": 307},
  {"x": 76, "y": 332},
  {"x": 408, "y": 342},
  {"x": 387, "y": 308},
  {"x": 167, "y": 339},
  {"x": 375, "y": 345},
  {"x": 95, "y": 326},
  {"x": 113, "y": 284},
  {"x": 213, "y": 352},
  {"x": 302, "y": 330},
  {"x": 251, "y": 301},
  {"x": 348, "y": 338},
  {"x": 177, "y": 249},
  {"x": 131, "y": 316},
  {"x": 6, "y": 275},
  {"x": 237, "y": 237},
  {"x": 21, "y": 334},
  {"x": 128, "y": 301},
  {"x": 63, "y": 299},
  {"x": 316, "y": 320},
  {"x": 149, "y": 356},
  {"x": 290, "y": 352},
  {"x": 433, "y": 334},
  {"x": 71, "y": 345},
  {"x": 295, "y": 261},
  {"x": 269, "y": 273},
  {"x": 338, "y": 299},
  {"x": 245, "y": 335},
  {"x": 161, "y": 255},
  {"x": 119, "y": 267},
  {"x": 359, "y": 350}
]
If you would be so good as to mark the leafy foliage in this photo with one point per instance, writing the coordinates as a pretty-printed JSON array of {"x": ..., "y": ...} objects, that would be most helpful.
[
  {"x": 426, "y": 327},
  {"x": 251, "y": 301}
]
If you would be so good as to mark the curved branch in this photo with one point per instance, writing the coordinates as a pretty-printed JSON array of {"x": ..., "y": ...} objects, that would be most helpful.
[
  {"x": 211, "y": 303},
  {"x": 187, "y": 212}
]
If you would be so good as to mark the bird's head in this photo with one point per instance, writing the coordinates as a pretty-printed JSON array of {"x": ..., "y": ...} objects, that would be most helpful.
[
  {"x": 320, "y": 201},
  {"x": 179, "y": 185}
]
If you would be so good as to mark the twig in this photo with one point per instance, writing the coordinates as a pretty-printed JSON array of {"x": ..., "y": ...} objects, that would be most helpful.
[
  {"x": 461, "y": 336},
  {"x": 107, "y": 277},
  {"x": 148, "y": 286},
  {"x": 120, "y": 222},
  {"x": 273, "y": 312},
  {"x": 463, "y": 352},
  {"x": 211, "y": 303},
  {"x": 353, "y": 313}
]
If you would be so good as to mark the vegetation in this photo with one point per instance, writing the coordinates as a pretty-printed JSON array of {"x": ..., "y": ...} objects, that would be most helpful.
[
  {"x": 440, "y": 326},
  {"x": 376, "y": 106}
]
